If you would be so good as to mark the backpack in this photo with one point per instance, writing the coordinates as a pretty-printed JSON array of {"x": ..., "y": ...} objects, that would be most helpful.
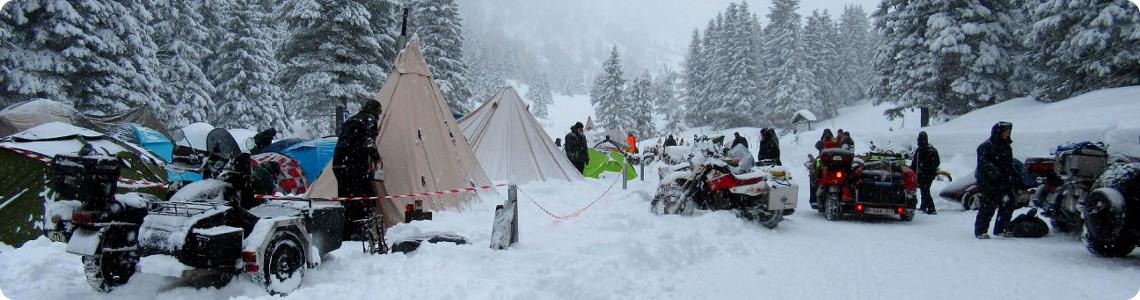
[{"x": 1028, "y": 225}]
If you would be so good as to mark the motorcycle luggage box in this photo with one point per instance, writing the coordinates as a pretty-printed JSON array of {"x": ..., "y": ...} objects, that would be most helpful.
[
  {"x": 214, "y": 246},
  {"x": 85, "y": 178},
  {"x": 891, "y": 193},
  {"x": 836, "y": 158},
  {"x": 880, "y": 176},
  {"x": 1083, "y": 162}
]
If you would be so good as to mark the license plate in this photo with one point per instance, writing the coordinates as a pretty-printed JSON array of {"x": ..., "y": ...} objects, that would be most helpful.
[{"x": 880, "y": 211}]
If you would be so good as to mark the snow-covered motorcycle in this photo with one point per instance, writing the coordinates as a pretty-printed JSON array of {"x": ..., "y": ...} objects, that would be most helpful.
[
  {"x": 763, "y": 194},
  {"x": 1077, "y": 166}
]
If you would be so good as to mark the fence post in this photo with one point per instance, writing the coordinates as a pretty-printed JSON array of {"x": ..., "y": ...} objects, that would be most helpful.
[
  {"x": 624, "y": 166},
  {"x": 504, "y": 230},
  {"x": 513, "y": 199},
  {"x": 642, "y": 174}
]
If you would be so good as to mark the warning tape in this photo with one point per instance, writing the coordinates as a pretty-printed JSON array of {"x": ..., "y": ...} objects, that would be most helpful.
[
  {"x": 48, "y": 160},
  {"x": 456, "y": 191},
  {"x": 576, "y": 213}
]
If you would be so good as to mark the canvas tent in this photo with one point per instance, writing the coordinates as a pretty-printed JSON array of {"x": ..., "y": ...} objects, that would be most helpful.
[
  {"x": 27, "y": 181},
  {"x": 312, "y": 155},
  {"x": 511, "y": 144},
  {"x": 25, "y": 115},
  {"x": 422, "y": 146}
]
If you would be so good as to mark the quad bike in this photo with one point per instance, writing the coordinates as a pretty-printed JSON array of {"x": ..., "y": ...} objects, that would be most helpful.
[
  {"x": 883, "y": 186},
  {"x": 216, "y": 227},
  {"x": 1112, "y": 210},
  {"x": 763, "y": 194}
]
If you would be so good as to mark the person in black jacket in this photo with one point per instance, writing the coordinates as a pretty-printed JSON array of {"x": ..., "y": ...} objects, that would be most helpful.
[
  {"x": 739, "y": 140},
  {"x": 670, "y": 141},
  {"x": 353, "y": 158},
  {"x": 997, "y": 177},
  {"x": 262, "y": 139},
  {"x": 769, "y": 146},
  {"x": 925, "y": 165},
  {"x": 576, "y": 149}
]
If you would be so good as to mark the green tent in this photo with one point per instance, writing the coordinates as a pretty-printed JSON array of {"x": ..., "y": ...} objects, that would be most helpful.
[
  {"x": 26, "y": 182},
  {"x": 607, "y": 161}
]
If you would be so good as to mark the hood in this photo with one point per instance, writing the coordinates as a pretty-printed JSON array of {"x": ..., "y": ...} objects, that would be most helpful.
[
  {"x": 923, "y": 139},
  {"x": 995, "y": 132}
]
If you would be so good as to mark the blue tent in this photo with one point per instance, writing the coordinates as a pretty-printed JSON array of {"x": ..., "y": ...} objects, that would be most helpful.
[
  {"x": 146, "y": 137},
  {"x": 312, "y": 155},
  {"x": 278, "y": 146}
]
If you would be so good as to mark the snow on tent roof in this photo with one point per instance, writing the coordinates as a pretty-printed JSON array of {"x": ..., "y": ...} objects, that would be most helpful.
[
  {"x": 58, "y": 138},
  {"x": 804, "y": 115},
  {"x": 53, "y": 131},
  {"x": 510, "y": 143},
  {"x": 24, "y": 115},
  {"x": 195, "y": 135}
]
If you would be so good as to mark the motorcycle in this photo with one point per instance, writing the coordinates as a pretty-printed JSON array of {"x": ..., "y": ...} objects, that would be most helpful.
[
  {"x": 1112, "y": 210},
  {"x": 881, "y": 186},
  {"x": 1077, "y": 167},
  {"x": 763, "y": 194}
]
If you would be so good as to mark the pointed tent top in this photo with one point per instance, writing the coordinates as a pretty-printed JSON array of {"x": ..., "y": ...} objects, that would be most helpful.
[
  {"x": 589, "y": 123},
  {"x": 411, "y": 60}
]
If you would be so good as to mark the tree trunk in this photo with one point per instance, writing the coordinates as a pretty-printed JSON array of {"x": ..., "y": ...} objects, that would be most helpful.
[{"x": 925, "y": 116}]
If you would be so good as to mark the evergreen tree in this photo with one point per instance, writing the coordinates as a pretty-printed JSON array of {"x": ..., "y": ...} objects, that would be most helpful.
[
  {"x": 608, "y": 95},
  {"x": 6, "y": 46},
  {"x": 740, "y": 97},
  {"x": 666, "y": 97},
  {"x": 824, "y": 62},
  {"x": 180, "y": 37},
  {"x": 856, "y": 53},
  {"x": 790, "y": 85},
  {"x": 1080, "y": 46},
  {"x": 244, "y": 72},
  {"x": 334, "y": 55},
  {"x": 439, "y": 28},
  {"x": 696, "y": 79},
  {"x": 901, "y": 62},
  {"x": 639, "y": 110},
  {"x": 96, "y": 55},
  {"x": 970, "y": 40},
  {"x": 488, "y": 75},
  {"x": 540, "y": 94}
]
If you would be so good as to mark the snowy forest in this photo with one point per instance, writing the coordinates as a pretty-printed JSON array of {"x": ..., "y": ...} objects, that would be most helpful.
[
  {"x": 236, "y": 64},
  {"x": 260, "y": 64}
]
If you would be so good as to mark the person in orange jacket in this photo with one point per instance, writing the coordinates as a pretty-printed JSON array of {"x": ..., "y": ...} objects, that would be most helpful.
[{"x": 632, "y": 143}]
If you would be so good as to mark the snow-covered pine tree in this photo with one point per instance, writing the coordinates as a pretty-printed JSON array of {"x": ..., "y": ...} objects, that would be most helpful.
[
  {"x": 243, "y": 72},
  {"x": 716, "y": 81},
  {"x": 93, "y": 54},
  {"x": 901, "y": 62},
  {"x": 333, "y": 56},
  {"x": 181, "y": 39},
  {"x": 789, "y": 84},
  {"x": 696, "y": 68},
  {"x": 540, "y": 94},
  {"x": 488, "y": 75},
  {"x": 856, "y": 53},
  {"x": 740, "y": 95},
  {"x": 438, "y": 25},
  {"x": 640, "y": 107},
  {"x": 1080, "y": 46},
  {"x": 970, "y": 40},
  {"x": 823, "y": 60},
  {"x": 608, "y": 94},
  {"x": 8, "y": 52}
]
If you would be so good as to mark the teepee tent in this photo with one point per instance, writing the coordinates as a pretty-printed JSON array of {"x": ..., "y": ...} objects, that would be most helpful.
[
  {"x": 423, "y": 149},
  {"x": 510, "y": 144}
]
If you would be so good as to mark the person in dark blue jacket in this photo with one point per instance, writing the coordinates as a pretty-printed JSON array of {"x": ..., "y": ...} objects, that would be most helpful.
[{"x": 997, "y": 177}]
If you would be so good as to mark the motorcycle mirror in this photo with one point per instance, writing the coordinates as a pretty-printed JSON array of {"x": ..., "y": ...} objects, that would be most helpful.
[{"x": 177, "y": 135}]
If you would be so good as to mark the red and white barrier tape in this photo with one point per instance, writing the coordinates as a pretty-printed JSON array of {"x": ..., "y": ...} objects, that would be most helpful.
[
  {"x": 576, "y": 213},
  {"x": 48, "y": 160},
  {"x": 456, "y": 191}
]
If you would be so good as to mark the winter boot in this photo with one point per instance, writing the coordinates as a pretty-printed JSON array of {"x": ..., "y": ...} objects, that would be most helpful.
[{"x": 984, "y": 236}]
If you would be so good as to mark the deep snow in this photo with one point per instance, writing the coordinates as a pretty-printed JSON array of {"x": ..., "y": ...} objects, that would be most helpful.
[{"x": 617, "y": 249}]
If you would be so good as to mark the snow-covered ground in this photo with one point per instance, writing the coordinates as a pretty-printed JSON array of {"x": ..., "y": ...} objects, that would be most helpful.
[{"x": 617, "y": 249}]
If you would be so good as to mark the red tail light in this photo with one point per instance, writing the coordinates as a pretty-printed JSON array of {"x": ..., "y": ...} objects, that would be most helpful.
[
  {"x": 901, "y": 210},
  {"x": 1040, "y": 167},
  {"x": 83, "y": 217},
  {"x": 859, "y": 207},
  {"x": 410, "y": 207},
  {"x": 251, "y": 269},
  {"x": 838, "y": 174},
  {"x": 249, "y": 257}
]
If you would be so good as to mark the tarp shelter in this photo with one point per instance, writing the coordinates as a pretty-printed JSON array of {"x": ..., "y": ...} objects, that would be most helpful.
[
  {"x": 422, "y": 146},
  {"x": 608, "y": 157},
  {"x": 149, "y": 138},
  {"x": 26, "y": 181},
  {"x": 312, "y": 155},
  {"x": 25, "y": 115},
  {"x": 511, "y": 144},
  {"x": 281, "y": 145}
]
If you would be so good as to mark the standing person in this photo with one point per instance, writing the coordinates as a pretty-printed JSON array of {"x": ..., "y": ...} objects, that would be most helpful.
[
  {"x": 997, "y": 177},
  {"x": 576, "y": 150},
  {"x": 354, "y": 156},
  {"x": 769, "y": 146},
  {"x": 847, "y": 143},
  {"x": 739, "y": 140},
  {"x": 925, "y": 164},
  {"x": 632, "y": 143},
  {"x": 669, "y": 141}
]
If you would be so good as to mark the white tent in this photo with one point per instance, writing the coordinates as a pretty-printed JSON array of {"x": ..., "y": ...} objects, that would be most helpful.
[{"x": 510, "y": 144}]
